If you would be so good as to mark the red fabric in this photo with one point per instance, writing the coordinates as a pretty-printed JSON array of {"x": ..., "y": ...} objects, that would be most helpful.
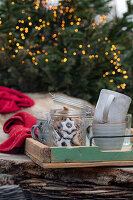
[
  {"x": 19, "y": 127},
  {"x": 12, "y": 100}
]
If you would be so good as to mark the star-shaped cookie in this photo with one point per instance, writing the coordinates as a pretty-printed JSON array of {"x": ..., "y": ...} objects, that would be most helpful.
[{"x": 68, "y": 126}]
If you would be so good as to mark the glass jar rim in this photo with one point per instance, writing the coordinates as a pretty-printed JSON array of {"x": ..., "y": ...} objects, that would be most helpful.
[{"x": 70, "y": 113}]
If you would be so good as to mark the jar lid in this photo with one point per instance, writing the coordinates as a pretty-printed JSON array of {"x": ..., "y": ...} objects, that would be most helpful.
[
  {"x": 66, "y": 113},
  {"x": 72, "y": 103}
]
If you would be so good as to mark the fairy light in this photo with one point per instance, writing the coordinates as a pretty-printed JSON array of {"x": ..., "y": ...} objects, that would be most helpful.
[
  {"x": 122, "y": 86},
  {"x": 64, "y": 60},
  {"x": 124, "y": 72},
  {"x": 113, "y": 72},
  {"x": 26, "y": 30},
  {"x": 125, "y": 77},
  {"x": 65, "y": 51},
  {"x": 43, "y": 38},
  {"x": 83, "y": 52},
  {"x": 20, "y": 47},
  {"x": 30, "y": 23},
  {"x": 38, "y": 52},
  {"x": 111, "y": 80},
  {"x": 17, "y": 44},
  {"x": 21, "y": 29},
  {"x": 35, "y": 63}
]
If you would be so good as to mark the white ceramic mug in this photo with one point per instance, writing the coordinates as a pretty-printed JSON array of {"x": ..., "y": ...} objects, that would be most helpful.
[
  {"x": 109, "y": 129},
  {"x": 112, "y": 107}
]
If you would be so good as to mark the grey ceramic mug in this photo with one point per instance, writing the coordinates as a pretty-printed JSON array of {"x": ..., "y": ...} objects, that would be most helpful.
[
  {"x": 43, "y": 136},
  {"x": 109, "y": 129}
]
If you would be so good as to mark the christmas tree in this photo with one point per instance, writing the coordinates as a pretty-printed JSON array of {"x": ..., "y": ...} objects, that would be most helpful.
[
  {"x": 121, "y": 33},
  {"x": 59, "y": 46}
]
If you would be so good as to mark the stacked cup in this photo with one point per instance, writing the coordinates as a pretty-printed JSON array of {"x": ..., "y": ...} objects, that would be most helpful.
[{"x": 109, "y": 119}]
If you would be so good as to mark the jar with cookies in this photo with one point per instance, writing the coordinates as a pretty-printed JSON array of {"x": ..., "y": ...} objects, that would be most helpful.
[{"x": 67, "y": 128}]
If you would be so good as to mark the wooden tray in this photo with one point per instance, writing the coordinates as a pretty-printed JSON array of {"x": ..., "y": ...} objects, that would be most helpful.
[{"x": 64, "y": 157}]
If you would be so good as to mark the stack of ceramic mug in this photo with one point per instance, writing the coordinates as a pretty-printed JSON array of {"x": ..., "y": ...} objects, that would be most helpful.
[{"x": 109, "y": 124}]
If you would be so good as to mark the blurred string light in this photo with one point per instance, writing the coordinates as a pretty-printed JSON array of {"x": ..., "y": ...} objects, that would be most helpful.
[
  {"x": 0, "y": 21},
  {"x": 115, "y": 61},
  {"x": 60, "y": 13}
]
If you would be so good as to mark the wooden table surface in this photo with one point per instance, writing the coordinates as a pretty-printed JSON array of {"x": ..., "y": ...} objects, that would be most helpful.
[{"x": 74, "y": 183}]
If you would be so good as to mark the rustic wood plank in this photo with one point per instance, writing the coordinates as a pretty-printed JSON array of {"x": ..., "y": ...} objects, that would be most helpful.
[
  {"x": 16, "y": 158},
  {"x": 58, "y": 189},
  {"x": 87, "y": 154},
  {"x": 38, "y": 150}
]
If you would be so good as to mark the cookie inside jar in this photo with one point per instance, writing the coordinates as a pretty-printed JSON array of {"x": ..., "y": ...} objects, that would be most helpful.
[{"x": 67, "y": 128}]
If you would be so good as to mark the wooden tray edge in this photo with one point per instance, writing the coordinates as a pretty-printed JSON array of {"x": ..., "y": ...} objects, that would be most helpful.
[{"x": 81, "y": 165}]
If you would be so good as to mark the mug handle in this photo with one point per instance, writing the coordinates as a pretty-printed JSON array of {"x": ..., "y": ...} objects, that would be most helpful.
[
  {"x": 33, "y": 129},
  {"x": 107, "y": 107}
]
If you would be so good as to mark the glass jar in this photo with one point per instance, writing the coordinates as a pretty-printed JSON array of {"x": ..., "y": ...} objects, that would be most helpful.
[
  {"x": 128, "y": 121},
  {"x": 67, "y": 128}
]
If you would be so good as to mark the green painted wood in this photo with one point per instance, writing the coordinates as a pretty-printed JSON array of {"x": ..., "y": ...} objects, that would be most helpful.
[{"x": 87, "y": 154}]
